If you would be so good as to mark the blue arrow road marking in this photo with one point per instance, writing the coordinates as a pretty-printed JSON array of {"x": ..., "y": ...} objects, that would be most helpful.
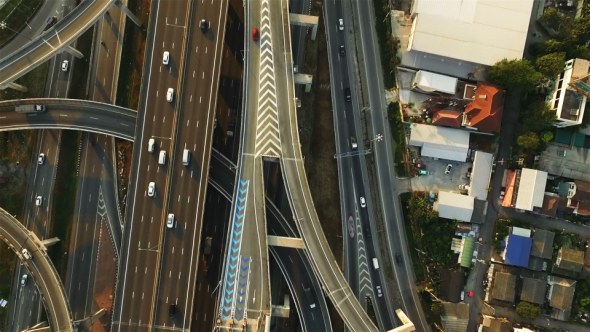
[
  {"x": 242, "y": 200},
  {"x": 234, "y": 250},
  {"x": 239, "y": 216},
  {"x": 240, "y": 207},
  {"x": 243, "y": 183},
  {"x": 236, "y": 233},
  {"x": 245, "y": 259},
  {"x": 229, "y": 292},
  {"x": 232, "y": 258}
]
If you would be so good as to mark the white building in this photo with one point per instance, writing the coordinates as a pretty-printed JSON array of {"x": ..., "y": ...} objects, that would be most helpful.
[
  {"x": 454, "y": 206},
  {"x": 440, "y": 142},
  {"x": 567, "y": 101},
  {"x": 479, "y": 31},
  {"x": 480, "y": 177},
  {"x": 428, "y": 82},
  {"x": 531, "y": 189}
]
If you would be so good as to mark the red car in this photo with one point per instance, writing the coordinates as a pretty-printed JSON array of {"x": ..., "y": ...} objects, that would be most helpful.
[
  {"x": 254, "y": 34},
  {"x": 421, "y": 166}
]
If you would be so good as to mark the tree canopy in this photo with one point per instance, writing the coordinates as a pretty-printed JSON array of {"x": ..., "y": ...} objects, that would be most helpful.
[
  {"x": 537, "y": 115},
  {"x": 551, "y": 64},
  {"x": 529, "y": 140},
  {"x": 515, "y": 74},
  {"x": 528, "y": 310}
]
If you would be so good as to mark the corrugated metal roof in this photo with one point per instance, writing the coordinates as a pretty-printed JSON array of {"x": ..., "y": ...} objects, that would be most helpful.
[
  {"x": 531, "y": 189},
  {"x": 518, "y": 250},
  {"x": 480, "y": 178},
  {"x": 467, "y": 254},
  {"x": 455, "y": 206},
  {"x": 440, "y": 142}
]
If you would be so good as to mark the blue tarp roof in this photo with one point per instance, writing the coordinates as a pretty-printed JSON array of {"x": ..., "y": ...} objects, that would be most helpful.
[{"x": 518, "y": 250}]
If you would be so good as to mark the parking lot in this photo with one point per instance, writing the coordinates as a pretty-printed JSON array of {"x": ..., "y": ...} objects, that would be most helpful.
[{"x": 437, "y": 179}]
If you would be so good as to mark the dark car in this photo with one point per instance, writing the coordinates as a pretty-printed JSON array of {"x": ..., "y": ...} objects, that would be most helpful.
[
  {"x": 172, "y": 310},
  {"x": 367, "y": 232},
  {"x": 204, "y": 25},
  {"x": 347, "y": 94},
  {"x": 342, "y": 50},
  {"x": 398, "y": 258},
  {"x": 421, "y": 166}
]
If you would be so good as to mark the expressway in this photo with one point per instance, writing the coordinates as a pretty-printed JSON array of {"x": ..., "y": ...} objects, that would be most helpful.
[
  {"x": 296, "y": 184},
  {"x": 294, "y": 263},
  {"x": 384, "y": 164},
  {"x": 70, "y": 114},
  {"x": 32, "y": 54},
  {"x": 244, "y": 298},
  {"x": 41, "y": 270}
]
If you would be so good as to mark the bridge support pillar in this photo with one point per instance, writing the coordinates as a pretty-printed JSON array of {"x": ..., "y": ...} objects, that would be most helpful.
[
  {"x": 74, "y": 52},
  {"x": 304, "y": 79},
  {"x": 127, "y": 12},
  {"x": 289, "y": 242},
  {"x": 86, "y": 323},
  {"x": 306, "y": 21},
  {"x": 282, "y": 310},
  {"x": 47, "y": 242},
  {"x": 16, "y": 86}
]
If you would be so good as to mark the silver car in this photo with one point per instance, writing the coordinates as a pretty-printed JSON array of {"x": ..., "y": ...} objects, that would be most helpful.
[
  {"x": 170, "y": 220},
  {"x": 152, "y": 189}
]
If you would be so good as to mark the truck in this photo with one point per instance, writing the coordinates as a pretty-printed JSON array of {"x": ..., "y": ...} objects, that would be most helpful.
[
  {"x": 207, "y": 253},
  {"x": 29, "y": 108}
]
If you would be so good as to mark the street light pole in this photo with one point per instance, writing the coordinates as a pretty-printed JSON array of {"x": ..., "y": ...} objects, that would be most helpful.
[{"x": 4, "y": 26}]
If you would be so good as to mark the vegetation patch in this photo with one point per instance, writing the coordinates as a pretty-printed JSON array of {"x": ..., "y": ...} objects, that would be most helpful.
[
  {"x": 81, "y": 67},
  {"x": 15, "y": 14},
  {"x": 388, "y": 44},
  {"x": 396, "y": 126},
  {"x": 34, "y": 81},
  {"x": 64, "y": 201},
  {"x": 132, "y": 55}
]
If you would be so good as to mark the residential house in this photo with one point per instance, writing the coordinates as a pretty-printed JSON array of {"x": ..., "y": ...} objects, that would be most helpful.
[
  {"x": 440, "y": 142},
  {"x": 569, "y": 161},
  {"x": 570, "y": 259},
  {"x": 531, "y": 189},
  {"x": 452, "y": 284},
  {"x": 480, "y": 176},
  {"x": 533, "y": 290},
  {"x": 484, "y": 113},
  {"x": 504, "y": 287},
  {"x": 493, "y": 324},
  {"x": 427, "y": 82},
  {"x": 568, "y": 99},
  {"x": 518, "y": 250},
  {"x": 560, "y": 295},
  {"x": 542, "y": 244},
  {"x": 455, "y": 317},
  {"x": 447, "y": 118},
  {"x": 454, "y": 206}
]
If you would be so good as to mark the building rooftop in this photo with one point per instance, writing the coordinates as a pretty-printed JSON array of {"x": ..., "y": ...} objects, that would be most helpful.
[
  {"x": 467, "y": 254},
  {"x": 492, "y": 324},
  {"x": 480, "y": 31},
  {"x": 570, "y": 259},
  {"x": 582, "y": 197},
  {"x": 504, "y": 287},
  {"x": 531, "y": 189},
  {"x": 549, "y": 207},
  {"x": 454, "y": 206},
  {"x": 455, "y": 317},
  {"x": 485, "y": 112},
  {"x": 440, "y": 142},
  {"x": 562, "y": 160},
  {"x": 447, "y": 119},
  {"x": 480, "y": 177},
  {"x": 561, "y": 296},
  {"x": 533, "y": 290},
  {"x": 518, "y": 250},
  {"x": 542, "y": 244}
]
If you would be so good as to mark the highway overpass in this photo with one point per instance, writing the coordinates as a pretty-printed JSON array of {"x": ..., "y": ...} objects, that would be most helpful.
[
  {"x": 41, "y": 270},
  {"x": 70, "y": 114}
]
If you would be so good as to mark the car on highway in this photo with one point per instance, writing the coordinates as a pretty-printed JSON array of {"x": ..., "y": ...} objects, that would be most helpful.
[
  {"x": 39, "y": 201},
  {"x": 151, "y": 145},
  {"x": 152, "y": 189},
  {"x": 172, "y": 310},
  {"x": 448, "y": 169},
  {"x": 204, "y": 25},
  {"x": 342, "y": 50},
  {"x": 41, "y": 159},
  {"x": 170, "y": 220},
  {"x": 308, "y": 295},
  {"x": 23, "y": 280},
  {"x": 65, "y": 65},
  {"x": 363, "y": 202},
  {"x": 379, "y": 292},
  {"x": 170, "y": 95},
  {"x": 162, "y": 159},
  {"x": 347, "y": 94},
  {"x": 340, "y": 24},
  {"x": 351, "y": 227},
  {"x": 254, "y": 34},
  {"x": 166, "y": 58},
  {"x": 398, "y": 259},
  {"x": 353, "y": 143}
]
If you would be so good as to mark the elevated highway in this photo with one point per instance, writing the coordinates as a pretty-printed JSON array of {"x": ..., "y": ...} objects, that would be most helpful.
[
  {"x": 41, "y": 270},
  {"x": 61, "y": 35},
  {"x": 70, "y": 114}
]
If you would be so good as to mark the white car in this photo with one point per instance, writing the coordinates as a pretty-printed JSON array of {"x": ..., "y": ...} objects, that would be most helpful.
[
  {"x": 65, "y": 65},
  {"x": 39, "y": 201},
  {"x": 151, "y": 144},
  {"x": 166, "y": 58},
  {"x": 379, "y": 293},
  {"x": 152, "y": 189},
  {"x": 23, "y": 280},
  {"x": 170, "y": 220},
  {"x": 170, "y": 95},
  {"x": 363, "y": 202},
  {"x": 340, "y": 24},
  {"x": 41, "y": 158},
  {"x": 448, "y": 169}
]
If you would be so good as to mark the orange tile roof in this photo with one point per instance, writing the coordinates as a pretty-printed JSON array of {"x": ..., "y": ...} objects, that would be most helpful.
[
  {"x": 510, "y": 179},
  {"x": 485, "y": 111},
  {"x": 447, "y": 118}
]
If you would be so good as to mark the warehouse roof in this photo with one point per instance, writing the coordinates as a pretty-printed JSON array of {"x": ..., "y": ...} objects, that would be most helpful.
[
  {"x": 480, "y": 179},
  {"x": 531, "y": 189},
  {"x": 440, "y": 142},
  {"x": 480, "y": 31},
  {"x": 454, "y": 206}
]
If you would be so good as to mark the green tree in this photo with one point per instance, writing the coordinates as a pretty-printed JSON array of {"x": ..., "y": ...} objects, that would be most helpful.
[
  {"x": 436, "y": 308},
  {"x": 537, "y": 116},
  {"x": 546, "y": 136},
  {"x": 553, "y": 18},
  {"x": 528, "y": 310},
  {"x": 551, "y": 64},
  {"x": 514, "y": 74},
  {"x": 529, "y": 140}
]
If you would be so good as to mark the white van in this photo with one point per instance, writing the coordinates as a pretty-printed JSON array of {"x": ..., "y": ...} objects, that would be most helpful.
[
  {"x": 375, "y": 264},
  {"x": 186, "y": 157},
  {"x": 162, "y": 159},
  {"x": 151, "y": 144}
]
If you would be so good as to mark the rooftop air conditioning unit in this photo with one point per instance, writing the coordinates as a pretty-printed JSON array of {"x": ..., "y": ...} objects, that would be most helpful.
[
  {"x": 483, "y": 96},
  {"x": 561, "y": 153}
]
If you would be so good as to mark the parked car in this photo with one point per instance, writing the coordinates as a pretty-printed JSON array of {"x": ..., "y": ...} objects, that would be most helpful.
[
  {"x": 464, "y": 186},
  {"x": 448, "y": 169},
  {"x": 423, "y": 172},
  {"x": 432, "y": 196},
  {"x": 420, "y": 166}
]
